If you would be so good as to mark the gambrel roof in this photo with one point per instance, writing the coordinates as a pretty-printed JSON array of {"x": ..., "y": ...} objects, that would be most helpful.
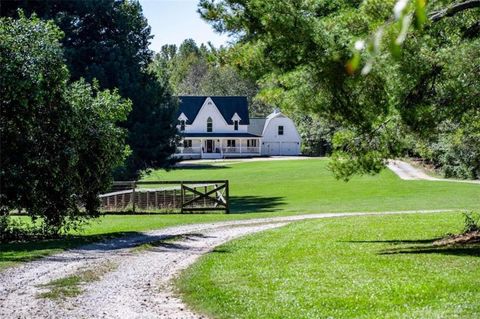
[
  {"x": 256, "y": 125},
  {"x": 227, "y": 105}
]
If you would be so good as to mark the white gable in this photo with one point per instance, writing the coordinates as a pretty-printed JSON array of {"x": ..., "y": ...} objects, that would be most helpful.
[
  {"x": 183, "y": 117},
  {"x": 210, "y": 110},
  {"x": 235, "y": 117},
  {"x": 270, "y": 130}
]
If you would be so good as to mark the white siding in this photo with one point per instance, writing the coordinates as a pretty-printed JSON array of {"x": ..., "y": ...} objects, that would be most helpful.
[{"x": 275, "y": 144}]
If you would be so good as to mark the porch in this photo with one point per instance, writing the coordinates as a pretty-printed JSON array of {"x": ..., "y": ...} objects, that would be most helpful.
[{"x": 219, "y": 147}]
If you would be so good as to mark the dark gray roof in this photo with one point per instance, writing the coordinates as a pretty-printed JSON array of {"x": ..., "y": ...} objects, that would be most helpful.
[
  {"x": 219, "y": 135},
  {"x": 227, "y": 105},
  {"x": 256, "y": 125}
]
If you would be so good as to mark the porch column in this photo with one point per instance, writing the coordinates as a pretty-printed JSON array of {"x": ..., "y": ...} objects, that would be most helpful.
[
  {"x": 201, "y": 147},
  {"x": 240, "y": 142},
  {"x": 259, "y": 141}
]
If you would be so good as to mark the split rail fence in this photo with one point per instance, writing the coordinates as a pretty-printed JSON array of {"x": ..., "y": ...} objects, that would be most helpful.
[{"x": 167, "y": 196}]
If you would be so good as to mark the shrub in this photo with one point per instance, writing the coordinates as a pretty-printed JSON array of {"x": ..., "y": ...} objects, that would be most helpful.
[
  {"x": 17, "y": 230},
  {"x": 472, "y": 222}
]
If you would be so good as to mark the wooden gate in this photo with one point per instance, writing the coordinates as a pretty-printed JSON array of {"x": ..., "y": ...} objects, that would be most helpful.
[
  {"x": 167, "y": 196},
  {"x": 203, "y": 198}
]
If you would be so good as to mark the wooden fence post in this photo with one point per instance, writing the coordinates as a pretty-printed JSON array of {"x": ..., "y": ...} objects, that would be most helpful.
[
  {"x": 205, "y": 199},
  {"x": 181, "y": 197},
  {"x": 227, "y": 198},
  {"x": 133, "y": 197},
  {"x": 174, "y": 198},
  {"x": 148, "y": 199}
]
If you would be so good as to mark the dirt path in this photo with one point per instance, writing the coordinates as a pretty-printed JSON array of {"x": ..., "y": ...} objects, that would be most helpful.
[
  {"x": 408, "y": 172},
  {"x": 140, "y": 283}
]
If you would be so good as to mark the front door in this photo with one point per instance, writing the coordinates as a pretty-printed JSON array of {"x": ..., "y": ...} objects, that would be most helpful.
[{"x": 210, "y": 146}]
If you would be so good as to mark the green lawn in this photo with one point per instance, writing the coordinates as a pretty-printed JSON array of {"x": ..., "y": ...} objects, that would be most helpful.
[
  {"x": 307, "y": 186},
  {"x": 263, "y": 189},
  {"x": 352, "y": 267}
]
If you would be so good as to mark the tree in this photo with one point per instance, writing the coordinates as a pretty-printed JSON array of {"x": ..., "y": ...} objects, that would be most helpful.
[
  {"x": 59, "y": 142},
  {"x": 401, "y": 80},
  {"x": 108, "y": 40},
  {"x": 204, "y": 70},
  {"x": 317, "y": 134}
]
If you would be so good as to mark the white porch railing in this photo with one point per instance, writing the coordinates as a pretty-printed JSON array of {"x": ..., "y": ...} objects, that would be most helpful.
[
  {"x": 251, "y": 150},
  {"x": 237, "y": 150},
  {"x": 188, "y": 150},
  {"x": 231, "y": 150}
]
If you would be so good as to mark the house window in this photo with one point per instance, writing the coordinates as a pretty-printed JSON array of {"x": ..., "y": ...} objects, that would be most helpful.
[
  {"x": 182, "y": 125},
  {"x": 187, "y": 143},
  {"x": 235, "y": 125},
  {"x": 280, "y": 130},
  {"x": 251, "y": 143},
  {"x": 209, "y": 125},
  {"x": 230, "y": 143}
]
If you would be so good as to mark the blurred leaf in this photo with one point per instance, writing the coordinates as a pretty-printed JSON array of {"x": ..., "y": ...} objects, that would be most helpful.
[
  {"x": 353, "y": 64},
  {"x": 420, "y": 13}
]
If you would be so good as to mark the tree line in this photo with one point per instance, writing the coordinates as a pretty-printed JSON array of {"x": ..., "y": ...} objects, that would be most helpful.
[{"x": 192, "y": 69}]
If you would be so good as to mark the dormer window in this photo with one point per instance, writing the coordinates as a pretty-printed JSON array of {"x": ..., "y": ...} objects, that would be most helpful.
[
  {"x": 236, "y": 121},
  {"x": 182, "y": 125},
  {"x": 209, "y": 125}
]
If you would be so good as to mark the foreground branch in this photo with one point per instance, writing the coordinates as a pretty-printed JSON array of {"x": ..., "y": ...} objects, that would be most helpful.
[{"x": 454, "y": 9}]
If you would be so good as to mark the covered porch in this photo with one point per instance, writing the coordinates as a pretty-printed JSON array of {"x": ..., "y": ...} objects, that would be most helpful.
[{"x": 220, "y": 146}]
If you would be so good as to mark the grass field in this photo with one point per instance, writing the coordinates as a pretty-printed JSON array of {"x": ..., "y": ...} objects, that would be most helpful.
[
  {"x": 307, "y": 186},
  {"x": 264, "y": 189},
  {"x": 362, "y": 267}
]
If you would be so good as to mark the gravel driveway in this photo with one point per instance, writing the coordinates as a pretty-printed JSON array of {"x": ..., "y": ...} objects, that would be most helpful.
[
  {"x": 408, "y": 172},
  {"x": 140, "y": 284}
]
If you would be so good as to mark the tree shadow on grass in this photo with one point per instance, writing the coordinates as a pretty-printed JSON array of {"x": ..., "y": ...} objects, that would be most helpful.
[
  {"x": 456, "y": 250},
  {"x": 255, "y": 204},
  {"x": 424, "y": 246},
  {"x": 221, "y": 250},
  {"x": 238, "y": 205},
  {"x": 168, "y": 243},
  {"x": 32, "y": 250},
  {"x": 200, "y": 166},
  {"x": 395, "y": 241}
]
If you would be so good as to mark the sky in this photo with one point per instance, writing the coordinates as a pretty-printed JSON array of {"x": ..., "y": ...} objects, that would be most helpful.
[{"x": 173, "y": 21}]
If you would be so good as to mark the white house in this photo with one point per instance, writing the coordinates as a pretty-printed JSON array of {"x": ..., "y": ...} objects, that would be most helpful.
[{"x": 219, "y": 127}]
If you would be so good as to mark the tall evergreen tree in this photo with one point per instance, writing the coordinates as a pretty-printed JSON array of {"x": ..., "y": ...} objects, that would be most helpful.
[{"x": 108, "y": 40}]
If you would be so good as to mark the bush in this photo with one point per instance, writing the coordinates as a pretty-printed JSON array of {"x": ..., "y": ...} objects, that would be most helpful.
[
  {"x": 455, "y": 151},
  {"x": 472, "y": 222},
  {"x": 17, "y": 230}
]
